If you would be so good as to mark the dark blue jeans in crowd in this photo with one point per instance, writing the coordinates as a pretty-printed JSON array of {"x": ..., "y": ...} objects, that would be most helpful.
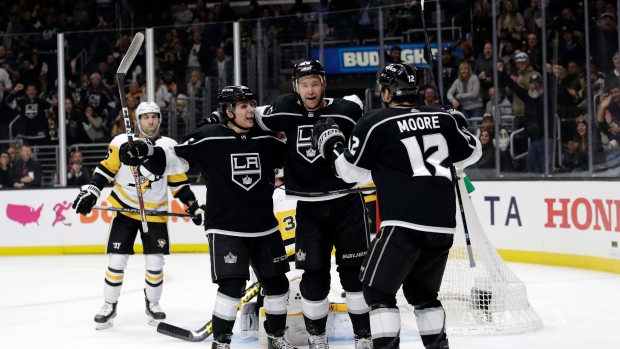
[{"x": 536, "y": 156}]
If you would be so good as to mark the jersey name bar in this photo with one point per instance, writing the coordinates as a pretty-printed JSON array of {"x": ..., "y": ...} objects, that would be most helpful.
[{"x": 418, "y": 123}]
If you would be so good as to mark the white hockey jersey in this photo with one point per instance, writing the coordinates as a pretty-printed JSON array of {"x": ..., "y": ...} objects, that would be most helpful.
[{"x": 154, "y": 192}]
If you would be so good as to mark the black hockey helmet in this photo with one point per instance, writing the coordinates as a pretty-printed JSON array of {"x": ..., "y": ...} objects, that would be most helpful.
[
  {"x": 399, "y": 79},
  {"x": 307, "y": 68},
  {"x": 230, "y": 95}
]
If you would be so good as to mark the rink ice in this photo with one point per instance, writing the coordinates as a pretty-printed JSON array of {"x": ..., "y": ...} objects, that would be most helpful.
[{"x": 50, "y": 301}]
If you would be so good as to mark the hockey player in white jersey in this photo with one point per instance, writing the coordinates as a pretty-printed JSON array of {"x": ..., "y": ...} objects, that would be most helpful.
[{"x": 125, "y": 226}]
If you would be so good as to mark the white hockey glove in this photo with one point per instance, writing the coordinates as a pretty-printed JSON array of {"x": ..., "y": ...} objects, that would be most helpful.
[
  {"x": 86, "y": 199},
  {"x": 326, "y": 134}
]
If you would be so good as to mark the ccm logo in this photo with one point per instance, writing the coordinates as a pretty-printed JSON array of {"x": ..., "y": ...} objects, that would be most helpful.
[{"x": 280, "y": 259}]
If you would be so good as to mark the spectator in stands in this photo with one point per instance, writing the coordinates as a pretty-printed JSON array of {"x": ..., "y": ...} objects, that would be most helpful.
[
  {"x": 183, "y": 16},
  {"x": 450, "y": 70},
  {"x": 534, "y": 51},
  {"x": 299, "y": 8},
  {"x": 222, "y": 67},
  {"x": 30, "y": 71},
  {"x": 13, "y": 151},
  {"x": 197, "y": 58},
  {"x": 97, "y": 96},
  {"x": 5, "y": 85},
  {"x": 512, "y": 20},
  {"x": 393, "y": 56},
  {"x": 532, "y": 16},
  {"x": 323, "y": 8},
  {"x": 569, "y": 48},
  {"x": 368, "y": 12},
  {"x": 162, "y": 96},
  {"x": 254, "y": 10},
  {"x": 487, "y": 160},
  {"x": 615, "y": 73},
  {"x": 195, "y": 82},
  {"x": 8, "y": 64},
  {"x": 525, "y": 72},
  {"x": 430, "y": 96},
  {"x": 464, "y": 94},
  {"x": 169, "y": 83},
  {"x": 608, "y": 116},
  {"x": 74, "y": 119},
  {"x": 484, "y": 71},
  {"x": 576, "y": 152},
  {"x": 107, "y": 76},
  {"x": 77, "y": 174},
  {"x": 134, "y": 91},
  {"x": 488, "y": 122},
  {"x": 5, "y": 170},
  {"x": 468, "y": 55},
  {"x": 227, "y": 14},
  {"x": 95, "y": 128},
  {"x": 567, "y": 19},
  {"x": 505, "y": 106},
  {"x": 533, "y": 118},
  {"x": 26, "y": 172},
  {"x": 604, "y": 41},
  {"x": 32, "y": 123},
  {"x": 482, "y": 24}
]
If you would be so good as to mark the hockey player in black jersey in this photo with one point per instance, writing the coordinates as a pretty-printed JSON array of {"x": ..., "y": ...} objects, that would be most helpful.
[
  {"x": 239, "y": 161},
  {"x": 408, "y": 150},
  {"x": 323, "y": 222}
]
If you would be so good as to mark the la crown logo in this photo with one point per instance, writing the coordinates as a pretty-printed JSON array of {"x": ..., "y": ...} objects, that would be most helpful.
[
  {"x": 230, "y": 258},
  {"x": 310, "y": 153},
  {"x": 247, "y": 180}
]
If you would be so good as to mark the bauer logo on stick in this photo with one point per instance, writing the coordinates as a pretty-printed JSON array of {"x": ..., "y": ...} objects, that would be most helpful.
[{"x": 245, "y": 169}]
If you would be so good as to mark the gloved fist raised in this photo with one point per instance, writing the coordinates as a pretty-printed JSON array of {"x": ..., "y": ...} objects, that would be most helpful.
[
  {"x": 134, "y": 154},
  {"x": 86, "y": 199},
  {"x": 196, "y": 209},
  {"x": 325, "y": 134}
]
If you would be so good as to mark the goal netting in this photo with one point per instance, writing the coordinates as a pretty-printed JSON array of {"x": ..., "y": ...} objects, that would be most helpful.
[{"x": 487, "y": 299}]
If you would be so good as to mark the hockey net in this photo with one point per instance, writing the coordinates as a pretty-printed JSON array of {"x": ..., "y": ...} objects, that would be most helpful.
[{"x": 487, "y": 299}]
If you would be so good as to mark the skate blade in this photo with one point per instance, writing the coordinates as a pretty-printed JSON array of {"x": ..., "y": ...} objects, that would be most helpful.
[
  {"x": 153, "y": 322},
  {"x": 103, "y": 326}
]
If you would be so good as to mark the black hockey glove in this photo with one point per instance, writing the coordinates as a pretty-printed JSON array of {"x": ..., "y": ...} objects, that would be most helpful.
[
  {"x": 326, "y": 134},
  {"x": 86, "y": 199},
  {"x": 197, "y": 209},
  {"x": 134, "y": 154},
  {"x": 213, "y": 118}
]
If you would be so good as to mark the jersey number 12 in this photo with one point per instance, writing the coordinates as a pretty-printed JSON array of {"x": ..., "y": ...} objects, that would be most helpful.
[{"x": 434, "y": 159}]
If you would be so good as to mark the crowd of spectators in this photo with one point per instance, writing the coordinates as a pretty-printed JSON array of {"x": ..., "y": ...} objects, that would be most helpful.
[{"x": 194, "y": 40}]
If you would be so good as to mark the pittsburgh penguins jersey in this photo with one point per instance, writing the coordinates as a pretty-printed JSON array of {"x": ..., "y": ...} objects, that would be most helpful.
[
  {"x": 154, "y": 191},
  {"x": 409, "y": 151},
  {"x": 284, "y": 210},
  {"x": 240, "y": 172},
  {"x": 305, "y": 168}
]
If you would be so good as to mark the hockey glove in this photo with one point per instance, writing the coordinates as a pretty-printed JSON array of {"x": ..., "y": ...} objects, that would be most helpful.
[
  {"x": 86, "y": 199},
  {"x": 213, "y": 118},
  {"x": 325, "y": 135},
  {"x": 196, "y": 209},
  {"x": 134, "y": 154}
]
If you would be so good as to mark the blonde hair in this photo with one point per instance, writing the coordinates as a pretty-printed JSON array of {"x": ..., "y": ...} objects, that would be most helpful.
[{"x": 468, "y": 68}]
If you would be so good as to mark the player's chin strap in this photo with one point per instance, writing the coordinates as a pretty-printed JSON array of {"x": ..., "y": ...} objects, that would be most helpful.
[{"x": 232, "y": 120}]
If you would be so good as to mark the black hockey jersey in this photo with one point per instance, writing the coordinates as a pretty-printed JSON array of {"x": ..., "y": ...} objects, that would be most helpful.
[
  {"x": 409, "y": 151},
  {"x": 239, "y": 168},
  {"x": 306, "y": 171}
]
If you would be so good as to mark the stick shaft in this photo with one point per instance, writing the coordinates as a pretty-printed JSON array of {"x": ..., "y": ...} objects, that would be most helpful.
[{"x": 148, "y": 212}]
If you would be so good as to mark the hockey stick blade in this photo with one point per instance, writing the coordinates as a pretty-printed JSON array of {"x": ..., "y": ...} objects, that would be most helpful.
[
  {"x": 324, "y": 193},
  {"x": 205, "y": 331},
  {"x": 131, "y": 54},
  {"x": 148, "y": 212}
]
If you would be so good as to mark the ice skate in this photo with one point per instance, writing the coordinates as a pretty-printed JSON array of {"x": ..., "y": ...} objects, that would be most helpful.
[
  {"x": 153, "y": 311},
  {"x": 105, "y": 317},
  {"x": 222, "y": 341},
  {"x": 277, "y": 340},
  {"x": 363, "y": 342},
  {"x": 318, "y": 342}
]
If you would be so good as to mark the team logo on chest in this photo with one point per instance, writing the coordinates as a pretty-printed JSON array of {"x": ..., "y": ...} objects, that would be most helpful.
[
  {"x": 304, "y": 143},
  {"x": 245, "y": 169},
  {"x": 32, "y": 109},
  {"x": 94, "y": 100}
]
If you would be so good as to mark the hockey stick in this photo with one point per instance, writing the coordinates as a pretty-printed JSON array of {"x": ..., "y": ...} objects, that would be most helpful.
[
  {"x": 131, "y": 54},
  {"x": 205, "y": 331},
  {"x": 147, "y": 212},
  {"x": 324, "y": 193},
  {"x": 472, "y": 263},
  {"x": 431, "y": 66}
]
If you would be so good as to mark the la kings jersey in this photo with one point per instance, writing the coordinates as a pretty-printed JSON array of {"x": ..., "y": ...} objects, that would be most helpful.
[
  {"x": 409, "y": 151},
  {"x": 305, "y": 168},
  {"x": 239, "y": 168},
  {"x": 154, "y": 191}
]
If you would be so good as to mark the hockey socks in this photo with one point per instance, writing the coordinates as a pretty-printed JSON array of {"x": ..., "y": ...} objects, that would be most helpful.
[{"x": 431, "y": 320}]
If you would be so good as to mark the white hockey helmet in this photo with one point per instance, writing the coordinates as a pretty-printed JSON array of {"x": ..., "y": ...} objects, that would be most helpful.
[{"x": 146, "y": 108}]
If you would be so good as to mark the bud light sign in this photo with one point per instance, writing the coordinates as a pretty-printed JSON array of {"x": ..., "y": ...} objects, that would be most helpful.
[{"x": 344, "y": 60}]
